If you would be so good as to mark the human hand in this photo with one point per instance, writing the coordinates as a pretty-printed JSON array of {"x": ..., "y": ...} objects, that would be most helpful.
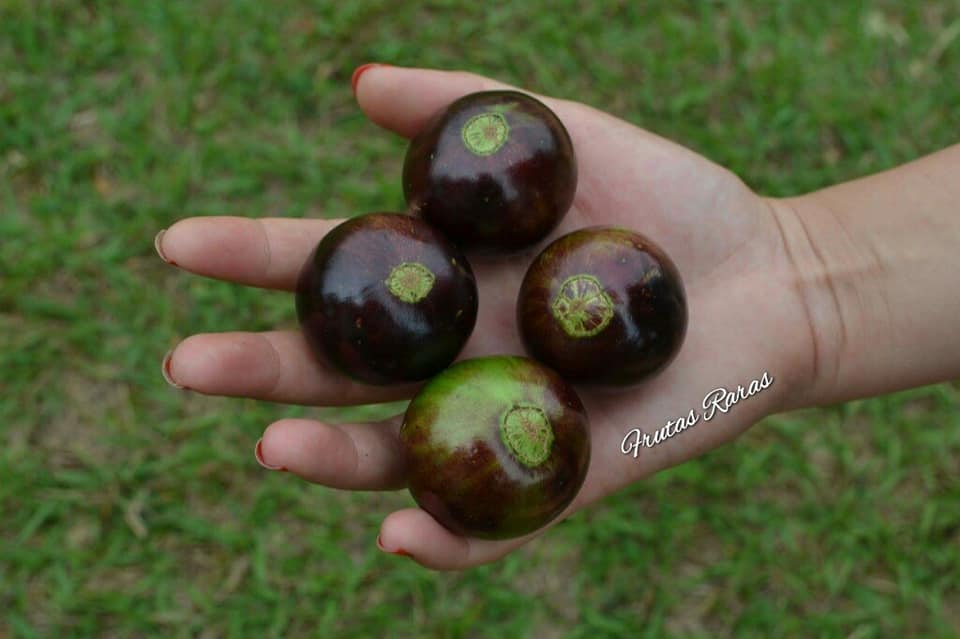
[{"x": 744, "y": 318}]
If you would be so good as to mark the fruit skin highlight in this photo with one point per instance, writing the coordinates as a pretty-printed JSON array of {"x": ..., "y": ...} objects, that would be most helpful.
[
  {"x": 496, "y": 447},
  {"x": 603, "y": 305},
  {"x": 385, "y": 298},
  {"x": 495, "y": 171}
]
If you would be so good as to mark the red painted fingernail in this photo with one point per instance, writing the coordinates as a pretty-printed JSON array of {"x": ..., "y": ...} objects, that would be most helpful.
[
  {"x": 158, "y": 245},
  {"x": 258, "y": 453},
  {"x": 398, "y": 551},
  {"x": 359, "y": 71},
  {"x": 165, "y": 369}
]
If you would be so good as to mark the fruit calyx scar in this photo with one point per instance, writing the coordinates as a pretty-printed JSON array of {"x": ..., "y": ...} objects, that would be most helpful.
[
  {"x": 410, "y": 281},
  {"x": 526, "y": 432},
  {"x": 485, "y": 133},
  {"x": 582, "y": 307}
]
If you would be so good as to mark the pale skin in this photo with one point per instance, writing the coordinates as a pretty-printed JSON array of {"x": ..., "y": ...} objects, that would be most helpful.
[{"x": 843, "y": 293}]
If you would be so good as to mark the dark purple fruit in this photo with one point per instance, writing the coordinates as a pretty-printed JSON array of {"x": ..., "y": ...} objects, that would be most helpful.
[
  {"x": 385, "y": 298},
  {"x": 496, "y": 446},
  {"x": 495, "y": 171},
  {"x": 603, "y": 305}
]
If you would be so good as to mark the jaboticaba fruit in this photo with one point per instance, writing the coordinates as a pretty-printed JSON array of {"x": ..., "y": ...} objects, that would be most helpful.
[
  {"x": 602, "y": 305},
  {"x": 495, "y": 171},
  {"x": 496, "y": 446},
  {"x": 385, "y": 298}
]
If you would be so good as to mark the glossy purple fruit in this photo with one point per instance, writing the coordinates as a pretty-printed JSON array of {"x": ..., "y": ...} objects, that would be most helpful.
[
  {"x": 603, "y": 305},
  {"x": 496, "y": 446},
  {"x": 385, "y": 298},
  {"x": 495, "y": 171}
]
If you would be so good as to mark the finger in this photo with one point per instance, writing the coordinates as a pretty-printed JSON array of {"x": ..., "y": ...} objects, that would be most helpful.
[
  {"x": 414, "y": 533},
  {"x": 351, "y": 456},
  {"x": 265, "y": 252},
  {"x": 274, "y": 365},
  {"x": 403, "y": 99}
]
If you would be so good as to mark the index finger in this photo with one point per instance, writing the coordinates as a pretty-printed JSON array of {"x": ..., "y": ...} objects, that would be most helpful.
[{"x": 262, "y": 252}]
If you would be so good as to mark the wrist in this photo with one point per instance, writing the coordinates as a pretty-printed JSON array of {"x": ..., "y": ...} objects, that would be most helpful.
[
  {"x": 819, "y": 275},
  {"x": 871, "y": 263}
]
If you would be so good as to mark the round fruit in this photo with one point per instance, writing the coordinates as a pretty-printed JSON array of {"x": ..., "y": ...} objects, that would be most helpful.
[
  {"x": 495, "y": 171},
  {"x": 496, "y": 446},
  {"x": 385, "y": 298},
  {"x": 603, "y": 305}
]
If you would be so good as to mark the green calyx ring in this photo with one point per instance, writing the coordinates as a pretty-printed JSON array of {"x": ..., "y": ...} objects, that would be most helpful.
[
  {"x": 582, "y": 307},
  {"x": 526, "y": 432},
  {"x": 485, "y": 133},
  {"x": 410, "y": 282}
]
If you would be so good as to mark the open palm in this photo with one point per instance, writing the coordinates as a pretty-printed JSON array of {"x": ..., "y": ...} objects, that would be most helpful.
[{"x": 724, "y": 239}]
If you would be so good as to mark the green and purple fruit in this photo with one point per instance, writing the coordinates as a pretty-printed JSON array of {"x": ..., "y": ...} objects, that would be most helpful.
[
  {"x": 495, "y": 171},
  {"x": 385, "y": 299},
  {"x": 603, "y": 305},
  {"x": 496, "y": 446}
]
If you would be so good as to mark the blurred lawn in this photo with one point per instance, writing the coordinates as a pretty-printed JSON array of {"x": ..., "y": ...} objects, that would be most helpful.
[{"x": 133, "y": 510}]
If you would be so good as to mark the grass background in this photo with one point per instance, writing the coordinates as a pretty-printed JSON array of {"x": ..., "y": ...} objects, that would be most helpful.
[{"x": 128, "y": 509}]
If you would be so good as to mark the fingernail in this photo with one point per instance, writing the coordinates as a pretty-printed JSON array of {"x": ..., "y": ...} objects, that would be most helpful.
[
  {"x": 165, "y": 369},
  {"x": 398, "y": 551},
  {"x": 258, "y": 453},
  {"x": 359, "y": 71},
  {"x": 158, "y": 245}
]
